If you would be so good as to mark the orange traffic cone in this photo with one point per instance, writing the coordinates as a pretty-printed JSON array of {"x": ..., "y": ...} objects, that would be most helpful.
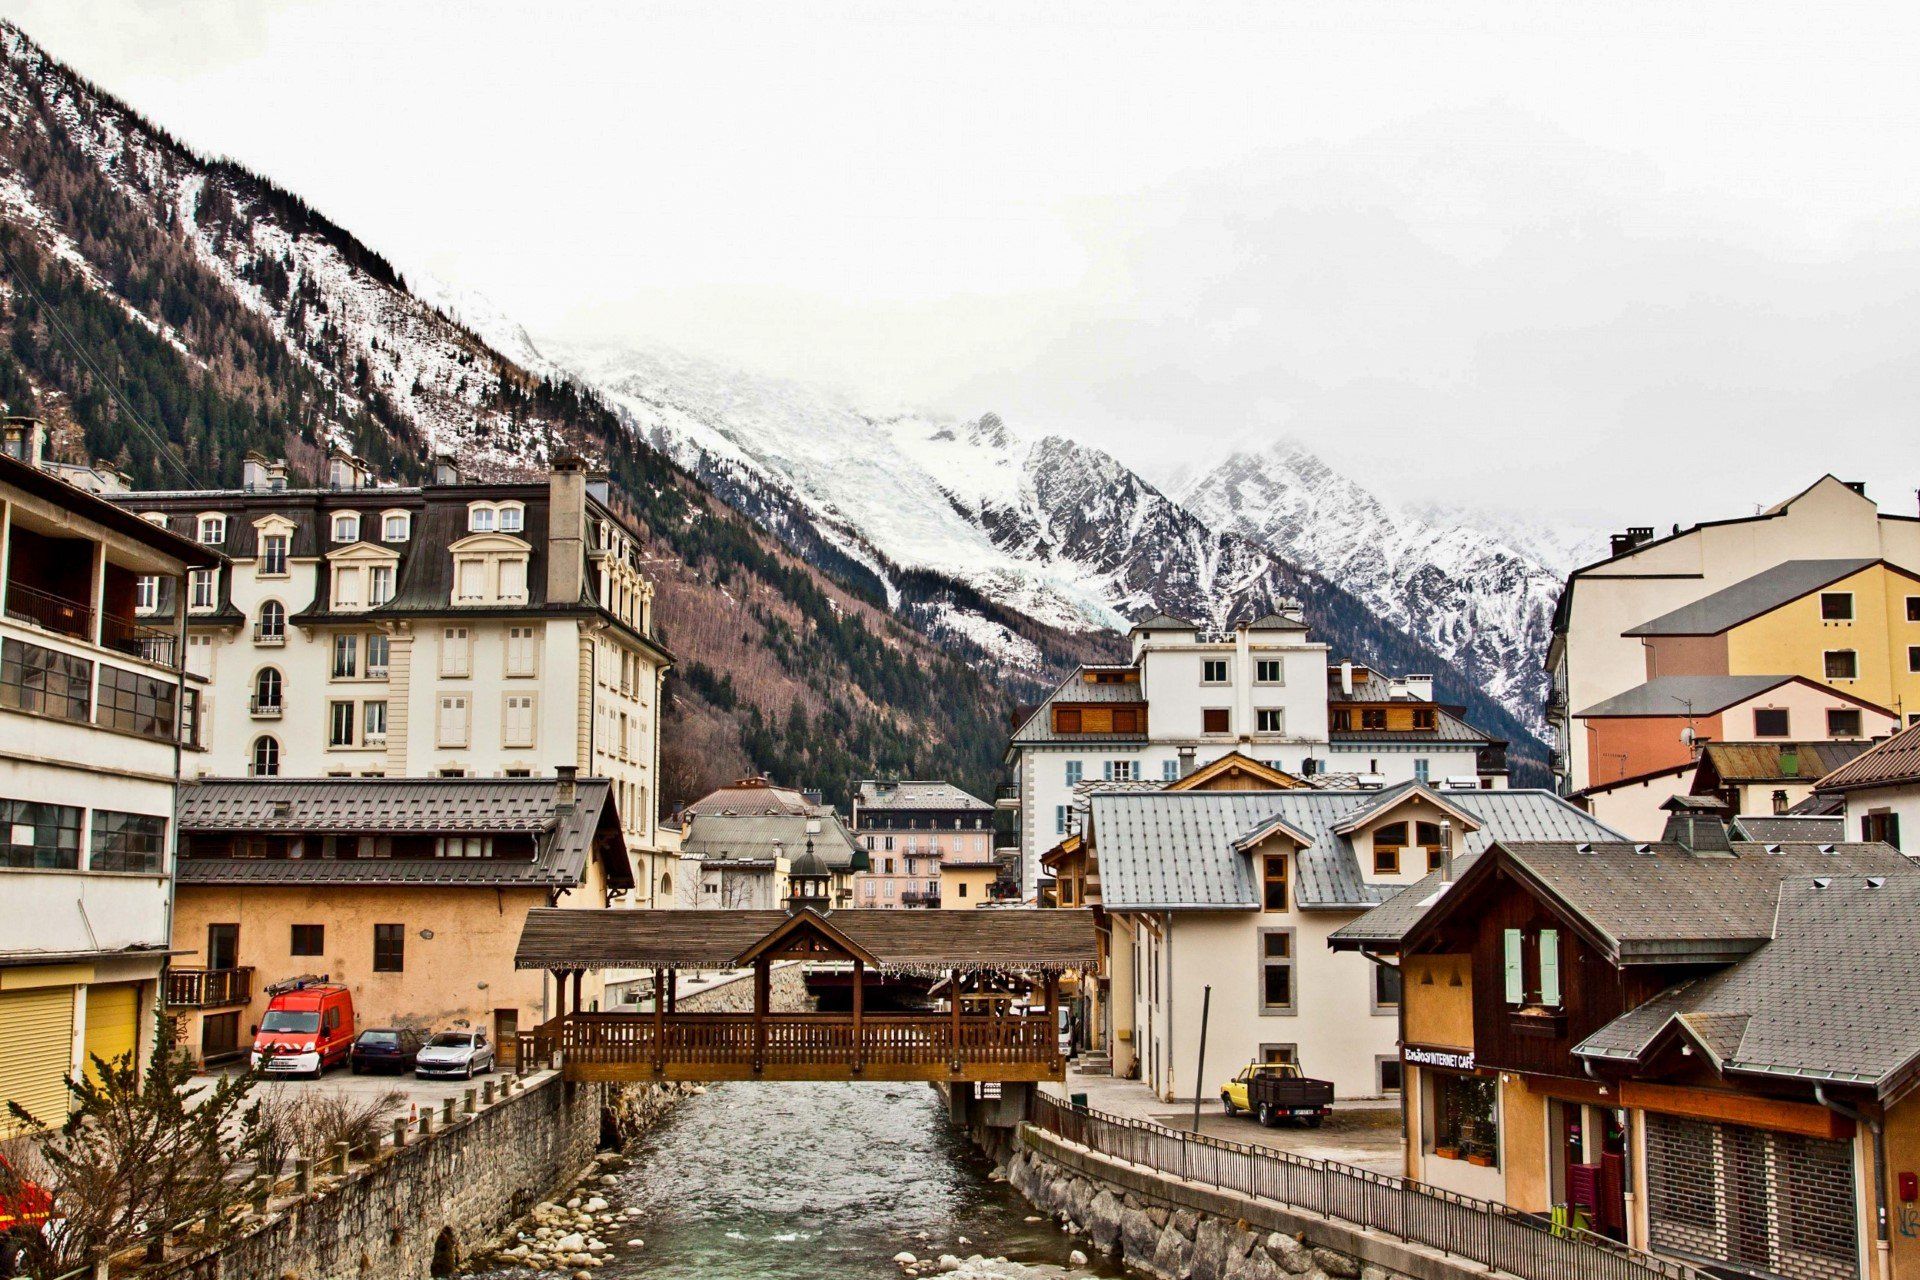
[{"x": 413, "y": 1114}]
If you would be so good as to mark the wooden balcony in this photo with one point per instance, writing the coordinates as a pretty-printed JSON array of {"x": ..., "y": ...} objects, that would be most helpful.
[
  {"x": 798, "y": 1046},
  {"x": 208, "y": 988}
]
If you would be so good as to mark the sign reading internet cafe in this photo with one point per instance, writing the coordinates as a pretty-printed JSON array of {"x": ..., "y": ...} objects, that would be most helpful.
[{"x": 1451, "y": 1059}]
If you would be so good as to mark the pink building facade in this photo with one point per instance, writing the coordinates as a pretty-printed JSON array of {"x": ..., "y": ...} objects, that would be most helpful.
[{"x": 907, "y": 828}]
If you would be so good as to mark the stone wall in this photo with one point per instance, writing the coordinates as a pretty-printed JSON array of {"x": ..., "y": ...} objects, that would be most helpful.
[
  {"x": 468, "y": 1182},
  {"x": 1179, "y": 1230}
]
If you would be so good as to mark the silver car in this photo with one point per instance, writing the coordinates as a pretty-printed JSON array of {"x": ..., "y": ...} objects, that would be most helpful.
[{"x": 465, "y": 1054}]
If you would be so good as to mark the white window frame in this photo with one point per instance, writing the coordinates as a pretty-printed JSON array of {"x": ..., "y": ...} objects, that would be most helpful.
[
  {"x": 517, "y": 595},
  {"x": 1278, "y": 716},
  {"x": 530, "y": 736},
  {"x": 276, "y": 546},
  {"x": 378, "y": 670},
  {"x": 523, "y": 651},
  {"x": 341, "y": 711},
  {"x": 510, "y": 517},
  {"x": 469, "y": 572},
  {"x": 347, "y": 520},
  {"x": 264, "y": 763},
  {"x": 146, "y": 593},
  {"x": 387, "y": 522},
  {"x": 370, "y": 734},
  {"x": 380, "y": 584},
  {"x": 482, "y": 517},
  {"x": 345, "y": 644},
  {"x": 347, "y": 581},
  {"x": 211, "y": 529},
  {"x": 456, "y": 652},
  {"x": 456, "y": 730},
  {"x": 1279, "y": 675},
  {"x": 203, "y": 590}
]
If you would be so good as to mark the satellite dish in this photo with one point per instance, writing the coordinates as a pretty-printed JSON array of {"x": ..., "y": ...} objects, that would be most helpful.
[{"x": 1686, "y": 735}]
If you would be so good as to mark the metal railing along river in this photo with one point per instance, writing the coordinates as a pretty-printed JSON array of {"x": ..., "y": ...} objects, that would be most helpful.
[{"x": 1494, "y": 1235}]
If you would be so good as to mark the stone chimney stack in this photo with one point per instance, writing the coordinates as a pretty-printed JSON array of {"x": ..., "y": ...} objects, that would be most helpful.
[
  {"x": 566, "y": 788},
  {"x": 567, "y": 530}
]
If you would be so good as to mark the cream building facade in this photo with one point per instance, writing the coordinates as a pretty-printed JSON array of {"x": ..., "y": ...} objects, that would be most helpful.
[
  {"x": 1591, "y": 656},
  {"x": 91, "y": 715},
  {"x": 452, "y": 629}
]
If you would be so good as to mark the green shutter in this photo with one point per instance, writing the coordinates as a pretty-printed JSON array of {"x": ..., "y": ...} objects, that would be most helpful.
[
  {"x": 1550, "y": 968},
  {"x": 1516, "y": 978}
]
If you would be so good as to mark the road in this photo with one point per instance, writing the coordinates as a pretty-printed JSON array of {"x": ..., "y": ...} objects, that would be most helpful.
[{"x": 413, "y": 1092}]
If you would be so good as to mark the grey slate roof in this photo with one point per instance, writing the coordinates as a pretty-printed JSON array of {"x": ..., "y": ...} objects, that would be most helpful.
[
  {"x": 1163, "y": 622},
  {"x": 1277, "y": 622},
  {"x": 1749, "y": 598},
  {"x": 1787, "y": 828},
  {"x": 1382, "y": 928},
  {"x": 564, "y": 838},
  {"x": 721, "y": 837},
  {"x": 1656, "y": 903},
  {"x": 1175, "y": 849},
  {"x": 1828, "y": 998},
  {"x": 1685, "y": 695},
  {"x": 1038, "y": 726},
  {"x": 918, "y": 795}
]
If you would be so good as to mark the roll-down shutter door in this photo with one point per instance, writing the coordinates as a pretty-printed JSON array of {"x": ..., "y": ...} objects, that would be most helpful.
[
  {"x": 113, "y": 1012},
  {"x": 36, "y": 1049}
]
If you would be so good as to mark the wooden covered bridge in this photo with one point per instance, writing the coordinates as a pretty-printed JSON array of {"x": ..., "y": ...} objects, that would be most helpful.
[{"x": 998, "y": 974}]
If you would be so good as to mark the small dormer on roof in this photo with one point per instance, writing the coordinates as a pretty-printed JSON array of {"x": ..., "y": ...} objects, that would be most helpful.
[
  {"x": 1698, "y": 824},
  {"x": 1277, "y": 825},
  {"x": 1392, "y": 798}
]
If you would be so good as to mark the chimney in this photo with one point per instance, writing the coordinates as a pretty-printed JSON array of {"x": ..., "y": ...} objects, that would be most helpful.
[
  {"x": 1346, "y": 679},
  {"x": 24, "y": 439},
  {"x": 566, "y": 530},
  {"x": 566, "y": 790},
  {"x": 253, "y": 473},
  {"x": 1635, "y": 536},
  {"x": 1186, "y": 761},
  {"x": 1446, "y": 851},
  {"x": 446, "y": 470},
  {"x": 1698, "y": 825}
]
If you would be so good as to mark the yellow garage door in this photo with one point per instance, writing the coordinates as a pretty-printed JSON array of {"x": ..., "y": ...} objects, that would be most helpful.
[
  {"x": 113, "y": 1019},
  {"x": 36, "y": 1048}
]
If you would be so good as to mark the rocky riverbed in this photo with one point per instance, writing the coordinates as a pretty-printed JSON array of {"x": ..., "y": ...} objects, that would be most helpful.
[{"x": 797, "y": 1182}]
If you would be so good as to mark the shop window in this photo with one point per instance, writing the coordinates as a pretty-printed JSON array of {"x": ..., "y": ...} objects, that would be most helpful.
[{"x": 1465, "y": 1113}]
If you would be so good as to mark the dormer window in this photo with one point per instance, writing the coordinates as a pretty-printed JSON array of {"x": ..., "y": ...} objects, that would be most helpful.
[
  {"x": 160, "y": 518},
  {"x": 513, "y": 517},
  {"x": 346, "y": 526},
  {"x": 481, "y": 518},
  {"x": 213, "y": 530},
  {"x": 203, "y": 590},
  {"x": 379, "y": 584},
  {"x": 273, "y": 555},
  {"x": 396, "y": 526}
]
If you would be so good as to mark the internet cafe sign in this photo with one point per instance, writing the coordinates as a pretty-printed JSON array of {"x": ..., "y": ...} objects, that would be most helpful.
[{"x": 1451, "y": 1059}]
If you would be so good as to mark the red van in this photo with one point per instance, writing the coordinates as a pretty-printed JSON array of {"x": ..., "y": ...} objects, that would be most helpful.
[
  {"x": 25, "y": 1210},
  {"x": 308, "y": 1027}
]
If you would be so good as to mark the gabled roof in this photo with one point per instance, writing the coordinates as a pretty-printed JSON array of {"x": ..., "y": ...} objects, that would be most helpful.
[
  {"x": 1276, "y": 622},
  {"x": 1789, "y": 829},
  {"x": 1386, "y": 800},
  {"x": 1038, "y": 726},
  {"x": 1657, "y": 903},
  {"x": 1175, "y": 850},
  {"x": 1827, "y": 998},
  {"x": 1234, "y": 762},
  {"x": 920, "y": 941},
  {"x": 1894, "y": 762},
  {"x": 726, "y": 838},
  {"x": 1700, "y": 695},
  {"x": 565, "y": 836},
  {"x": 1277, "y": 825},
  {"x": 917, "y": 795},
  {"x": 1739, "y": 762},
  {"x": 1161, "y": 622},
  {"x": 1751, "y": 597}
]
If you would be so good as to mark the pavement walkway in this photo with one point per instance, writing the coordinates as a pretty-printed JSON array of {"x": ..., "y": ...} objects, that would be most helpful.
[{"x": 1366, "y": 1133}]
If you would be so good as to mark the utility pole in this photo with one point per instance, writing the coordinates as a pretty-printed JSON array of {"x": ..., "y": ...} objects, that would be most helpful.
[{"x": 1200, "y": 1071}]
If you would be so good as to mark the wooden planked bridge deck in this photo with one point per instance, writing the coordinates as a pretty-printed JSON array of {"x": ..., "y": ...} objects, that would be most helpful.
[{"x": 799, "y": 1046}]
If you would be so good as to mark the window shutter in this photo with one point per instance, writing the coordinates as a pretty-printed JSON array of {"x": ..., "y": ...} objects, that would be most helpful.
[
  {"x": 1516, "y": 976},
  {"x": 1550, "y": 968}
]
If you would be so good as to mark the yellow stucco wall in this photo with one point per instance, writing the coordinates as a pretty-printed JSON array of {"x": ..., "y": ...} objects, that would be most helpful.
[
  {"x": 1903, "y": 1219},
  {"x": 464, "y": 971},
  {"x": 1793, "y": 639},
  {"x": 1437, "y": 1011},
  {"x": 1523, "y": 1135},
  {"x": 979, "y": 887}
]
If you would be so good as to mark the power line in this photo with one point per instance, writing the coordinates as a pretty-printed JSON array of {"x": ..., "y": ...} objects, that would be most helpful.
[{"x": 159, "y": 442}]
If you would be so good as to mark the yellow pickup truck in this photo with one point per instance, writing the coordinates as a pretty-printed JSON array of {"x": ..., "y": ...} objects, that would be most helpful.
[{"x": 1276, "y": 1091}]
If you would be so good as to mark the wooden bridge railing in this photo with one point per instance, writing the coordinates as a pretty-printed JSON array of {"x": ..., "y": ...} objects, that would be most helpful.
[{"x": 723, "y": 1045}]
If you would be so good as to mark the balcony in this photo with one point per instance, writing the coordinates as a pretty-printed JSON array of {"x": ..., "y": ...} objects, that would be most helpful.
[
  {"x": 74, "y": 619},
  {"x": 260, "y": 710},
  {"x": 208, "y": 988},
  {"x": 919, "y": 898},
  {"x": 269, "y": 639},
  {"x": 1006, "y": 798}
]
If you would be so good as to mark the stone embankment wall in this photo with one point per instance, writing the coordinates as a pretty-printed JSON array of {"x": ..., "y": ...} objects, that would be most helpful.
[
  {"x": 1178, "y": 1230},
  {"x": 472, "y": 1180},
  {"x": 462, "y": 1188}
]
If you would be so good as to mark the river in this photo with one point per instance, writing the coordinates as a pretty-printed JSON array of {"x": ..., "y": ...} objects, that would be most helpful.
[{"x": 821, "y": 1182}]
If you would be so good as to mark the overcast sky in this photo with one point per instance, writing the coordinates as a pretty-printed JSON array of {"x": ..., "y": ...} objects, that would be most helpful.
[{"x": 1650, "y": 261}]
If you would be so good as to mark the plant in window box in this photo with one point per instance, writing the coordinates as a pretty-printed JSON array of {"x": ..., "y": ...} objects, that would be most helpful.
[
  {"x": 1447, "y": 1151},
  {"x": 1480, "y": 1154}
]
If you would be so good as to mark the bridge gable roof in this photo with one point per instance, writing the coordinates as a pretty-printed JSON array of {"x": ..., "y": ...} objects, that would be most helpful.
[{"x": 927, "y": 941}]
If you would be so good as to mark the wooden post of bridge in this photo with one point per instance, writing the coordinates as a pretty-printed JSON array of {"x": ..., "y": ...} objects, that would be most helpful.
[
  {"x": 762, "y": 996},
  {"x": 1053, "y": 1016},
  {"x": 579, "y": 1004},
  {"x": 859, "y": 1000},
  {"x": 953, "y": 980},
  {"x": 659, "y": 1022}
]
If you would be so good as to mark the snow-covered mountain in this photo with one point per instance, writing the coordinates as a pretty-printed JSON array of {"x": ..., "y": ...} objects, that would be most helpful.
[
  {"x": 1057, "y": 530},
  {"x": 1478, "y": 588}
]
